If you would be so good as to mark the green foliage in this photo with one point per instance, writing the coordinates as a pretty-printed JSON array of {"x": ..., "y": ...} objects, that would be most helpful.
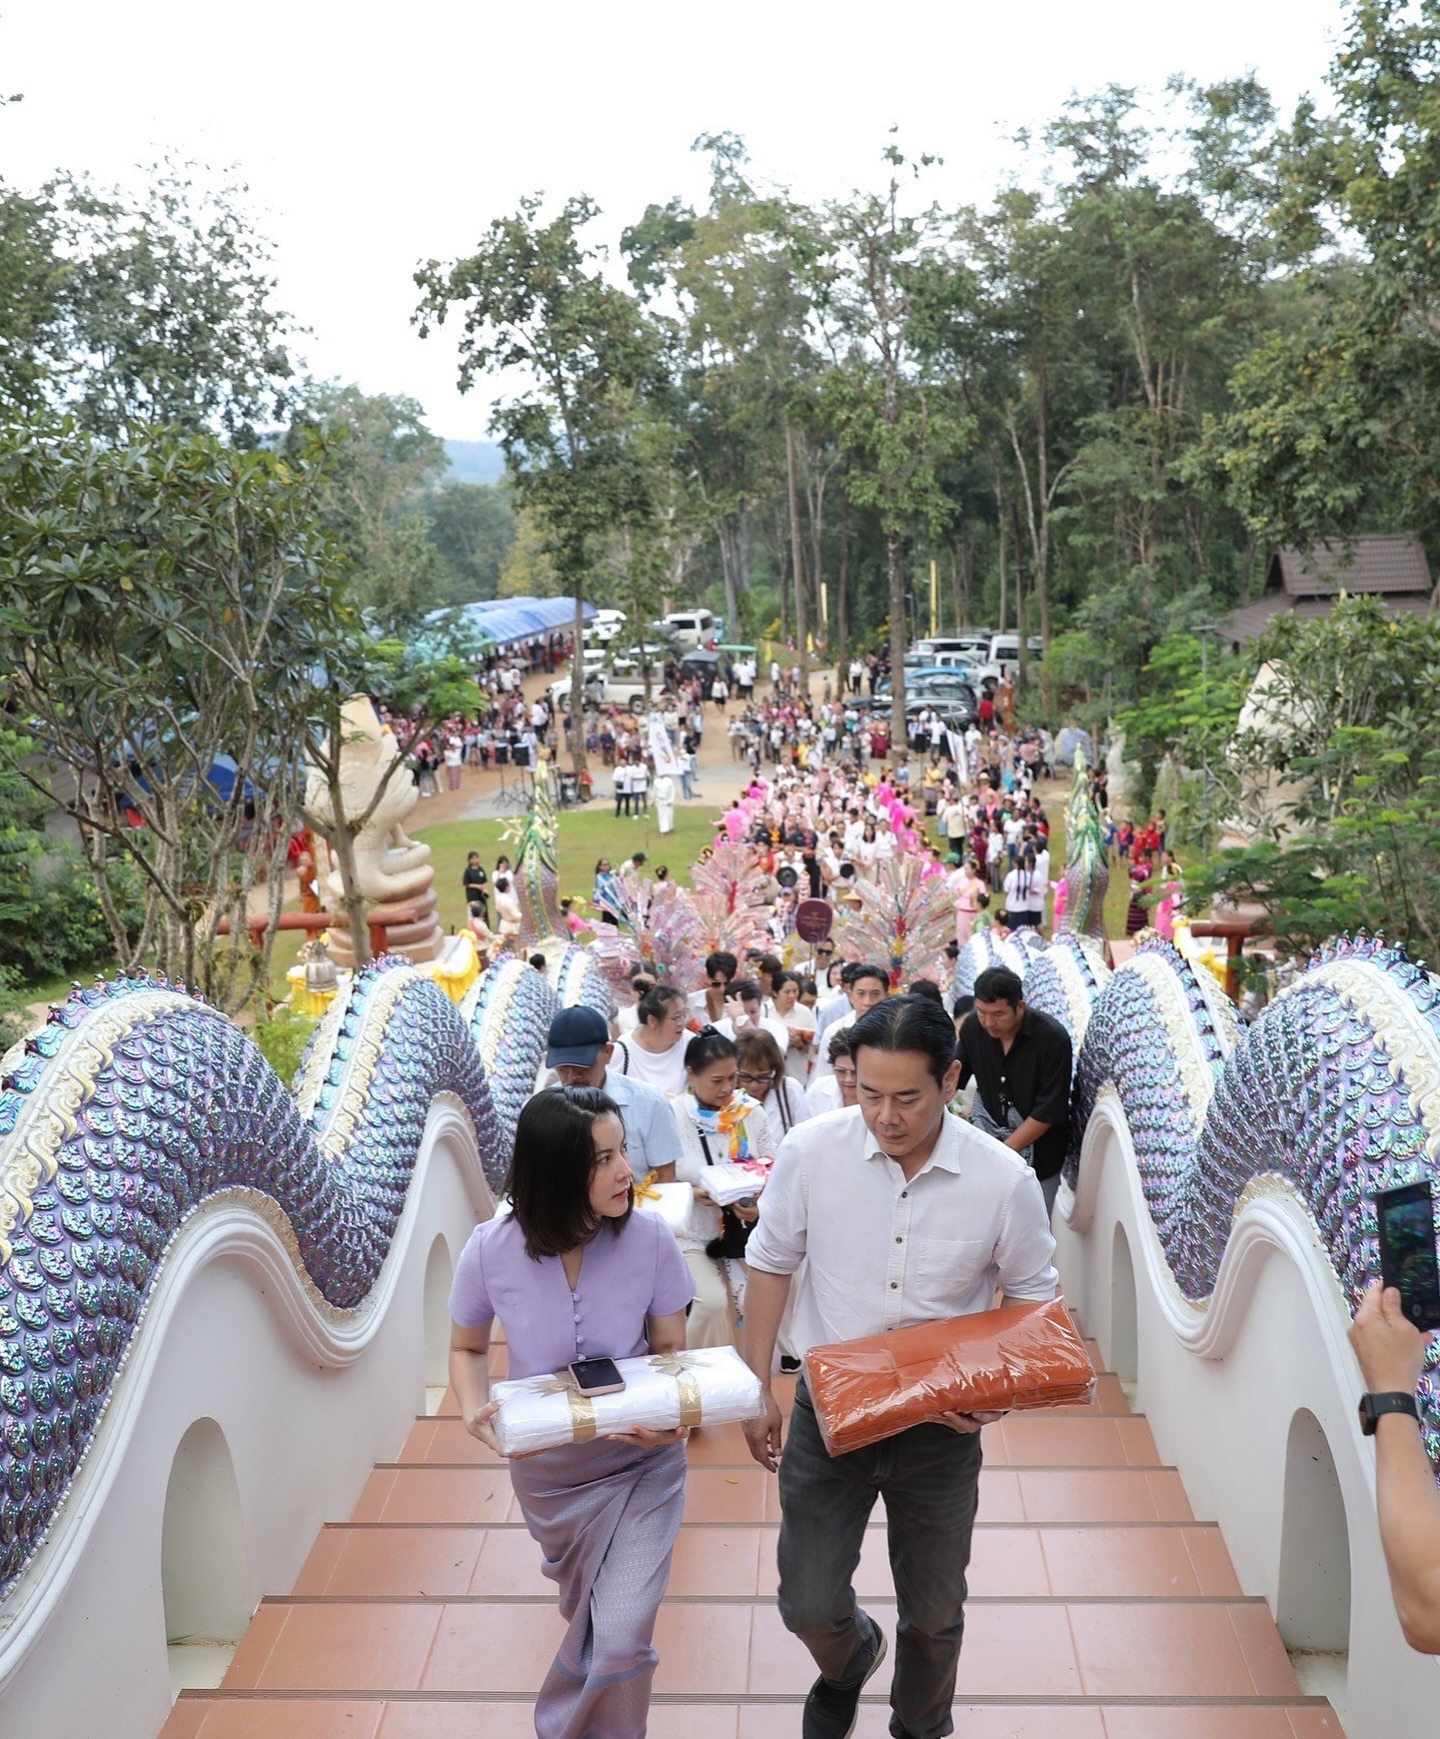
[
  {"x": 16, "y": 1019},
  {"x": 472, "y": 525},
  {"x": 164, "y": 313},
  {"x": 1350, "y": 716},
  {"x": 281, "y": 1039},
  {"x": 165, "y": 605}
]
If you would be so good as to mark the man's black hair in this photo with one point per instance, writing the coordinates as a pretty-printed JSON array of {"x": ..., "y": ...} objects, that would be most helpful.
[
  {"x": 867, "y": 969},
  {"x": 907, "y": 1023},
  {"x": 722, "y": 961},
  {"x": 538, "y": 962},
  {"x": 999, "y": 984},
  {"x": 926, "y": 987},
  {"x": 747, "y": 989},
  {"x": 962, "y": 1006},
  {"x": 550, "y": 1171}
]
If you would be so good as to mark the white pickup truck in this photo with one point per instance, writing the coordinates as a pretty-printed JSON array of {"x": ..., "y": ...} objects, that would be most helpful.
[{"x": 604, "y": 688}]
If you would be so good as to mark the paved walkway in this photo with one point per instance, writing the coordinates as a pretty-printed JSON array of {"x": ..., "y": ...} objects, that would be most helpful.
[{"x": 1101, "y": 1607}]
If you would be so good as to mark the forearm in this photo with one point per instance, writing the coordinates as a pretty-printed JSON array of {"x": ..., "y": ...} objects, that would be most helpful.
[
  {"x": 1409, "y": 1510},
  {"x": 1027, "y": 1134},
  {"x": 765, "y": 1296},
  {"x": 470, "y": 1379}
]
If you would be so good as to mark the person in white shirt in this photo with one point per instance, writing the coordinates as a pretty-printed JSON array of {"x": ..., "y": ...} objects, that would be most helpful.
[
  {"x": 763, "y": 1077},
  {"x": 716, "y": 1125},
  {"x": 864, "y": 986},
  {"x": 745, "y": 1008},
  {"x": 892, "y": 1214},
  {"x": 655, "y": 1053},
  {"x": 799, "y": 1026},
  {"x": 836, "y": 1090},
  {"x": 507, "y": 911}
]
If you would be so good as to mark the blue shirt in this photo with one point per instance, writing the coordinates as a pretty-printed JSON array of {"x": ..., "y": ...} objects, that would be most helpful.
[{"x": 651, "y": 1138}]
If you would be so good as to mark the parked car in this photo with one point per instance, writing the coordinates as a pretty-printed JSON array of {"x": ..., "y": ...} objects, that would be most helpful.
[
  {"x": 604, "y": 625},
  {"x": 603, "y": 688},
  {"x": 693, "y": 628},
  {"x": 1005, "y": 650}
]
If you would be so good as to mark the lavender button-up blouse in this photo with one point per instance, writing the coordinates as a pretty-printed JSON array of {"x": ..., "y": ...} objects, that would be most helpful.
[{"x": 625, "y": 1276}]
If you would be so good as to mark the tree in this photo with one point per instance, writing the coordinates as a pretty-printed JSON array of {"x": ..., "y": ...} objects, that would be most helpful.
[
  {"x": 165, "y": 312},
  {"x": 537, "y": 307},
  {"x": 1350, "y": 719},
  {"x": 1332, "y": 428},
  {"x": 379, "y": 463},
  {"x": 473, "y": 527},
  {"x": 165, "y": 607},
  {"x": 889, "y": 418}
]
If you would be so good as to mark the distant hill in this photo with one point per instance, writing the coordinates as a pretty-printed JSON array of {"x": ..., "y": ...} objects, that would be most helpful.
[{"x": 474, "y": 461}]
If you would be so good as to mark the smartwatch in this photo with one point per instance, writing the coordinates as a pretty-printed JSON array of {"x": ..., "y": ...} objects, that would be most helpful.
[{"x": 1372, "y": 1406}]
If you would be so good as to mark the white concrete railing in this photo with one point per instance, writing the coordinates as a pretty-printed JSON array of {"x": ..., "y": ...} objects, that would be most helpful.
[
  {"x": 245, "y": 1417},
  {"x": 1253, "y": 1398}
]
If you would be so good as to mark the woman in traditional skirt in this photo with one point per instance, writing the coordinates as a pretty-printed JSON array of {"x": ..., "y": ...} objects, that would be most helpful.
[{"x": 573, "y": 1273}]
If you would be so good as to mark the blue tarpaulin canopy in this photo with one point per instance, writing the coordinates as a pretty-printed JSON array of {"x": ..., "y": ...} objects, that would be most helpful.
[{"x": 505, "y": 620}]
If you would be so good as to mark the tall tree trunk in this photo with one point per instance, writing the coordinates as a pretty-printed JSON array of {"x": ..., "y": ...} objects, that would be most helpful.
[
  {"x": 726, "y": 539},
  {"x": 967, "y": 573},
  {"x": 842, "y": 595},
  {"x": 894, "y": 559},
  {"x": 797, "y": 560},
  {"x": 577, "y": 685},
  {"x": 1021, "y": 636},
  {"x": 1000, "y": 625}
]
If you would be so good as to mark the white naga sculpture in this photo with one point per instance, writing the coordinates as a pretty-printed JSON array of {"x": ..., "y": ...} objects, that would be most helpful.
[{"x": 394, "y": 872}]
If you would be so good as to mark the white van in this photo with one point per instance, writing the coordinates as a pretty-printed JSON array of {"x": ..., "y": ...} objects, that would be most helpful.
[
  {"x": 691, "y": 628},
  {"x": 1005, "y": 650}
]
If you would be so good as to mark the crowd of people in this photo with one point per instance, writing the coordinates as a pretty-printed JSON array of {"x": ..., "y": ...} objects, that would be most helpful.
[{"x": 907, "y": 1148}]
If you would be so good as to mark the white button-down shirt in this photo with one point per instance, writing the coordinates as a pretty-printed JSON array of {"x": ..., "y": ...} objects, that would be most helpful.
[{"x": 880, "y": 1253}]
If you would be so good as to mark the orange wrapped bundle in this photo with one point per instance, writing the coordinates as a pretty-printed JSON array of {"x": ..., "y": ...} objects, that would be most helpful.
[{"x": 1028, "y": 1355}]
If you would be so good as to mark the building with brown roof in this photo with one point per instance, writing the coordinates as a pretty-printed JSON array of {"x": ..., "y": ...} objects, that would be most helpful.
[{"x": 1389, "y": 565}]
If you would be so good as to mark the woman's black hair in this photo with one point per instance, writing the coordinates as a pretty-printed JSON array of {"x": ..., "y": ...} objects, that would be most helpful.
[
  {"x": 550, "y": 1171},
  {"x": 708, "y": 1046},
  {"x": 907, "y": 1023},
  {"x": 788, "y": 978},
  {"x": 926, "y": 987},
  {"x": 656, "y": 1003},
  {"x": 747, "y": 989}
]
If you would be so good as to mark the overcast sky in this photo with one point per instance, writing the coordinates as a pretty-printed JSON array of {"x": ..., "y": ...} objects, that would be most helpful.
[{"x": 375, "y": 138}]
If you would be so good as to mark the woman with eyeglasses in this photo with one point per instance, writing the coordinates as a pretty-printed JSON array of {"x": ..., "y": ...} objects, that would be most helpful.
[
  {"x": 718, "y": 1125},
  {"x": 839, "y": 1089},
  {"x": 763, "y": 1075},
  {"x": 654, "y": 1053}
]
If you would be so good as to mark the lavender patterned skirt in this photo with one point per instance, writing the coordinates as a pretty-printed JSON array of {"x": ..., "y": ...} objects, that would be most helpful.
[{"x": 605, "y": 1515}]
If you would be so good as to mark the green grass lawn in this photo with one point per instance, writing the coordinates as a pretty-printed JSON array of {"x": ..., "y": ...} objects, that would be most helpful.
[{"x": 585, "y": 835}]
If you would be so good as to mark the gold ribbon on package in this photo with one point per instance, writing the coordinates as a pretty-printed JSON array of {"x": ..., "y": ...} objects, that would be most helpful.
[
  {"x": 582, "y": 1408},
  {"x": 678, "y": 1365},
  {"x": 646, "y": 1191}
]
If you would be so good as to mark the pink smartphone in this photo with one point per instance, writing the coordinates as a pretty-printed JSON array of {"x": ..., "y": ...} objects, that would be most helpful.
[{"x": 597, "y": 1376}]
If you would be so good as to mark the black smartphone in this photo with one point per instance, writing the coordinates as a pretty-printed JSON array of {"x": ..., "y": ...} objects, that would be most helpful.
[
  {"x": 1407, "y": 1250},
  {"x": 597, "y": 1376}
]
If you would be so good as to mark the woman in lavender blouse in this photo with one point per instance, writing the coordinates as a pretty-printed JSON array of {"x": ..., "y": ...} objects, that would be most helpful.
[{"x": 575, "y": 1273}]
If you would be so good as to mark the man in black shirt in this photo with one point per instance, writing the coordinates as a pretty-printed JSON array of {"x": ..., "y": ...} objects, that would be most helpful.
[{"x": 1020, "y": 1061}]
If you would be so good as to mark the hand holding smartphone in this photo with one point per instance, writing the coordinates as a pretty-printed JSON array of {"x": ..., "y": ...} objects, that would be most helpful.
[{"x": 1408, "y": 1258}]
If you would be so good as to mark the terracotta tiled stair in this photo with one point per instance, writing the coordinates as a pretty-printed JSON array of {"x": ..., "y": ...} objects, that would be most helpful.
[{"x": 1100, "y": 1608}]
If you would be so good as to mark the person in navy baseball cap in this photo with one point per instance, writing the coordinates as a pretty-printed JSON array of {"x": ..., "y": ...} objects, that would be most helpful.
[
  {"x": 577, "y": 1036},
  {"x": 580, "y": 1053}
]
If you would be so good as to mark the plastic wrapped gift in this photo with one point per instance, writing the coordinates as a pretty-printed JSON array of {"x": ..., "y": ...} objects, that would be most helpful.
[
  {"x": 995, "y": 1361},
  {"x": 705, "y": 1386},
  {"x": 727, "y": 1184},
  {"x": 672, "y": 1201}
]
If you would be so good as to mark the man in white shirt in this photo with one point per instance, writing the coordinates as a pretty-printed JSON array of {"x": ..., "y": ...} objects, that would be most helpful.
[
  {"x": 890, "y": 1214},
  {"x": 864, "y": 987}
]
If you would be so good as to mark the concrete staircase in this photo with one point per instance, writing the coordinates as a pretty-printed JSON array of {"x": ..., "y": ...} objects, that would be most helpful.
[{"x": 1100, "y": 1607}]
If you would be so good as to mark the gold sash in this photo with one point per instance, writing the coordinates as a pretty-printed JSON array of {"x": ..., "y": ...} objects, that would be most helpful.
[
  {"x": 582, "y": 1409},
  {"x": 679, "y": 1366}
]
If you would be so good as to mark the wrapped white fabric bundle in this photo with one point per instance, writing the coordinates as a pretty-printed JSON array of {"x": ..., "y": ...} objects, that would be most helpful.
[
  {"x": 705, "y": 1386},
  {"x": 727, "y": 1184},
  {"x": 672, "y": 1201}
]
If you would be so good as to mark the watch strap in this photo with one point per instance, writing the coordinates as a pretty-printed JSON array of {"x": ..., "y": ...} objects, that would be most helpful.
[{"x": 1393, "y": 1401}]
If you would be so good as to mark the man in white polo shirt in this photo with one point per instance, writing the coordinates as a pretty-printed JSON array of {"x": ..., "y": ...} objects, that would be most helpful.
[{"x": 888, "y": 1214}]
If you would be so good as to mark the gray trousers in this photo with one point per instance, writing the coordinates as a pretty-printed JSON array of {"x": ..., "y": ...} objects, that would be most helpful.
[{"x": 929, "y": 1479}]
